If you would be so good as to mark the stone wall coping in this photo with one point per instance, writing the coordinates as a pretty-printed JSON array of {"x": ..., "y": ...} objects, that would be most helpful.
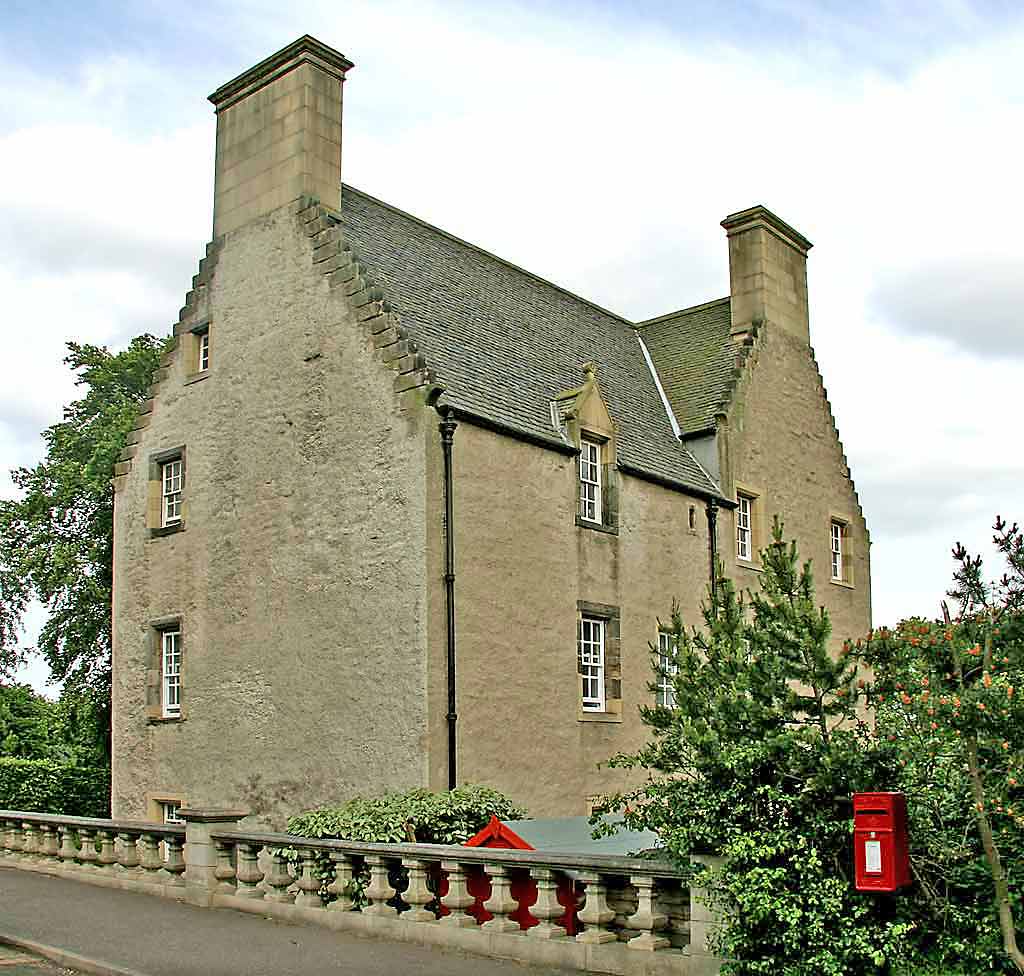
[
  {"x": 563, "y": 861},
  {"x": 305, "y": 48},
  {"x": 95, "y": 823},
  {"x": 761, "y": 216},
  {"x": 211, "y": 815}
]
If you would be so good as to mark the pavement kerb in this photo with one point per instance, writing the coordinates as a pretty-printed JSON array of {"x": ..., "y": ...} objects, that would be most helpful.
[{"x": 70, "y": 960}]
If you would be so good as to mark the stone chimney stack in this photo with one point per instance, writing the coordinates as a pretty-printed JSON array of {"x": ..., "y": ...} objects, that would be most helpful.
[
  {"x": 767, "y": 273},
  {"x": 279, "y": 134}
]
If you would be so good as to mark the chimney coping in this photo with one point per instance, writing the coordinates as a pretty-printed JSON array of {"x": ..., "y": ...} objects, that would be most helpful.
[
  {"x": 761, "y": 216},
  {"x": 306, "y": 48}
]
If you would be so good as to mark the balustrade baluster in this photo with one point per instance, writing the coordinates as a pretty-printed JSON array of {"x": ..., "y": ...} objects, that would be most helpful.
[
  {"x": 224, "y": 872},
  {"x": 674, "y": 901},
  {"x": 501, "y": 904},
  {"x": 15, "y": 841},
  {"x": 622, "y": 901},
  {"x": 48, "y": 843},
  {"x": 87, "y": 848},
  {"x": 379, "y": 891},
  {"x": 340, "y": 887},
  {"x": 29, "y": 842},
  {"x": 645, "y": 919},
  {"x": 106, "y": 858},
  {"x": 458, "y": 898},
  {"x": 278, "y": 879},
  {"x": 151, "y": 860},
  {"x": 596, "y": 913},
  {"x": 248, "y": 874},
  {"x": 309, "y": 880},
  {"x": 547, "y": 907},
  {"x": 175, "y": 863},
  {"x": 68, "y": 851},
  {"x": 128, "y": 853},
  {"x": 418, "y": 895},
  {"x": 5, "y": 836}
]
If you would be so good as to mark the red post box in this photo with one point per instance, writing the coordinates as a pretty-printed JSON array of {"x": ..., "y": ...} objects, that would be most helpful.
[{"x": 880, "y": 856}]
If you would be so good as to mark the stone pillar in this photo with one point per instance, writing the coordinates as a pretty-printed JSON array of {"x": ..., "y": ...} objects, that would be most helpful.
[
  {"x": 200, "y": 852},
  {"x": 704, "y": 922}
]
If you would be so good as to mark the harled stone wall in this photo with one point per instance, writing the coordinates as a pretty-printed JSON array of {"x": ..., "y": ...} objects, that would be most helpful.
[
  {"x": 522, "y": 566},
  {"x": 782, "y": 447},
  {"x": 300, "y": 576}
]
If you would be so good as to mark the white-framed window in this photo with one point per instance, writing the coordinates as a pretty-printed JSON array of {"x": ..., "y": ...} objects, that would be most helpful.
[
  {"x": 838, "y": 556},
  {"x": 170, "y": 667},
  {"x": 590, "y": 481},
  {"x": 744, "y": 527},
  {"x": 591, "y": 659},
  {"x": 172, "y": 478},
  {"x": 169, "y": 811},
  {"x": 665, "y": 693},
  {"x": 204, "y": 350}
]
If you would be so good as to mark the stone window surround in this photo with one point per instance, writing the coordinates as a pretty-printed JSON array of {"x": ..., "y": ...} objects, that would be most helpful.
[
  {"x": 611, "y": 615},
  {"x": 155, "y": 630},
  {"x": 608, "y": 484},
  {"x": 192, "y": 355},
  {"x": 757, "y": 540},
  {"x": 154, "y": 508},
  {"x": 844, "y": 522},
  {"x": 155, "y": 801}
]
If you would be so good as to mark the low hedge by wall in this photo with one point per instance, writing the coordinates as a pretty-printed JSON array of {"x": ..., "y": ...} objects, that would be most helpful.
[{"x": 42, "y": 786}]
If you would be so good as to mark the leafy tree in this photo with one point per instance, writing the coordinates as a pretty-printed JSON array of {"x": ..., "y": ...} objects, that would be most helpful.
[
  {"x": 755, "y": 762},
  {"x": 25, "y": 723},
  {"x": 948, "y": 698},
  {"x": 56, "y": 540}
]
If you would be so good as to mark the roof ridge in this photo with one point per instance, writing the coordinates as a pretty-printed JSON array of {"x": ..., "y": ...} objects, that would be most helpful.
[
  {"x": 682, "y": 311},
  {"x": 484, "y": 251}
]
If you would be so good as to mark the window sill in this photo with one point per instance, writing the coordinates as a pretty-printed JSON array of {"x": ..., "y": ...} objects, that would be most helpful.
[
  {"x": 166, "y": 530},
  {"x": 164, "y": 719},
  {"x": 612, "y": 717},
  {"x": 597, "y": 526},
  {"x": 749, "y": 564},
  {"x": 843, "y": 584},
  {"x": 196, "y": 377}
]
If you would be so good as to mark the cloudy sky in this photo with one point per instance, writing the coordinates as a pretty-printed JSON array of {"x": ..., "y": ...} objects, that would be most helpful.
[{"x": 598, "y": 144}]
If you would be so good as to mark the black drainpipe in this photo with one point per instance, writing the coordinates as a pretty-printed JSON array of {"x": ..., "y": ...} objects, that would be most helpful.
[
  {"x": 712, "y": 513},
  {"x": 447, "y": 429}
]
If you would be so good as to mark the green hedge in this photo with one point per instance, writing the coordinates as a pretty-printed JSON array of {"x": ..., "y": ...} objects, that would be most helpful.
[{"x": 43, "y": 786}]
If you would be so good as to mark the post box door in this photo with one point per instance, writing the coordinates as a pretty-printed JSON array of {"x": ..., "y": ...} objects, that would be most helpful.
[{"x": 874, "y": 860}]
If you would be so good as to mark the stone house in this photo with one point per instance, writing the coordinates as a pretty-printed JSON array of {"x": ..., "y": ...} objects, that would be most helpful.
[{"x": 376, "y": 451}]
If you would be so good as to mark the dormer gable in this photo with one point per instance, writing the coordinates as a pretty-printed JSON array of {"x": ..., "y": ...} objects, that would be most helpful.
[{"x": 582, "y": 413}]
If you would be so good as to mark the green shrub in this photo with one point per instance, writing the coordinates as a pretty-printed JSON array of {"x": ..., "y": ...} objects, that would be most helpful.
[
  {"x": 43, "y": 786},
  {"x": 420, "y": 815},
  {"x": 417, "y": 815}
]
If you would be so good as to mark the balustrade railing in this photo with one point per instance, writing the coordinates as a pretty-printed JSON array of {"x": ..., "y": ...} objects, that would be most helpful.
[
  {"x": 601, "y": 904},
  {"x": 117, "y": 849}
]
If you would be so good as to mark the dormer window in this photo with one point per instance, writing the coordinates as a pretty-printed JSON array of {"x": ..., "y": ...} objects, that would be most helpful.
[{"x": 590, "y": 481}]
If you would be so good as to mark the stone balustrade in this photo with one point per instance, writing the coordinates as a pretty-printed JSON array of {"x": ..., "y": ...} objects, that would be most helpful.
[
  {"x": 118, "y": 853},
  {"x": 592, "y": 913}
]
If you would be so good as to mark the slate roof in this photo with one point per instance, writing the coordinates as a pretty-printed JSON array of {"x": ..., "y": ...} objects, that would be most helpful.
[
  {"x": 695, "y": 359},
  {"x": 504, "y": 342}
]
